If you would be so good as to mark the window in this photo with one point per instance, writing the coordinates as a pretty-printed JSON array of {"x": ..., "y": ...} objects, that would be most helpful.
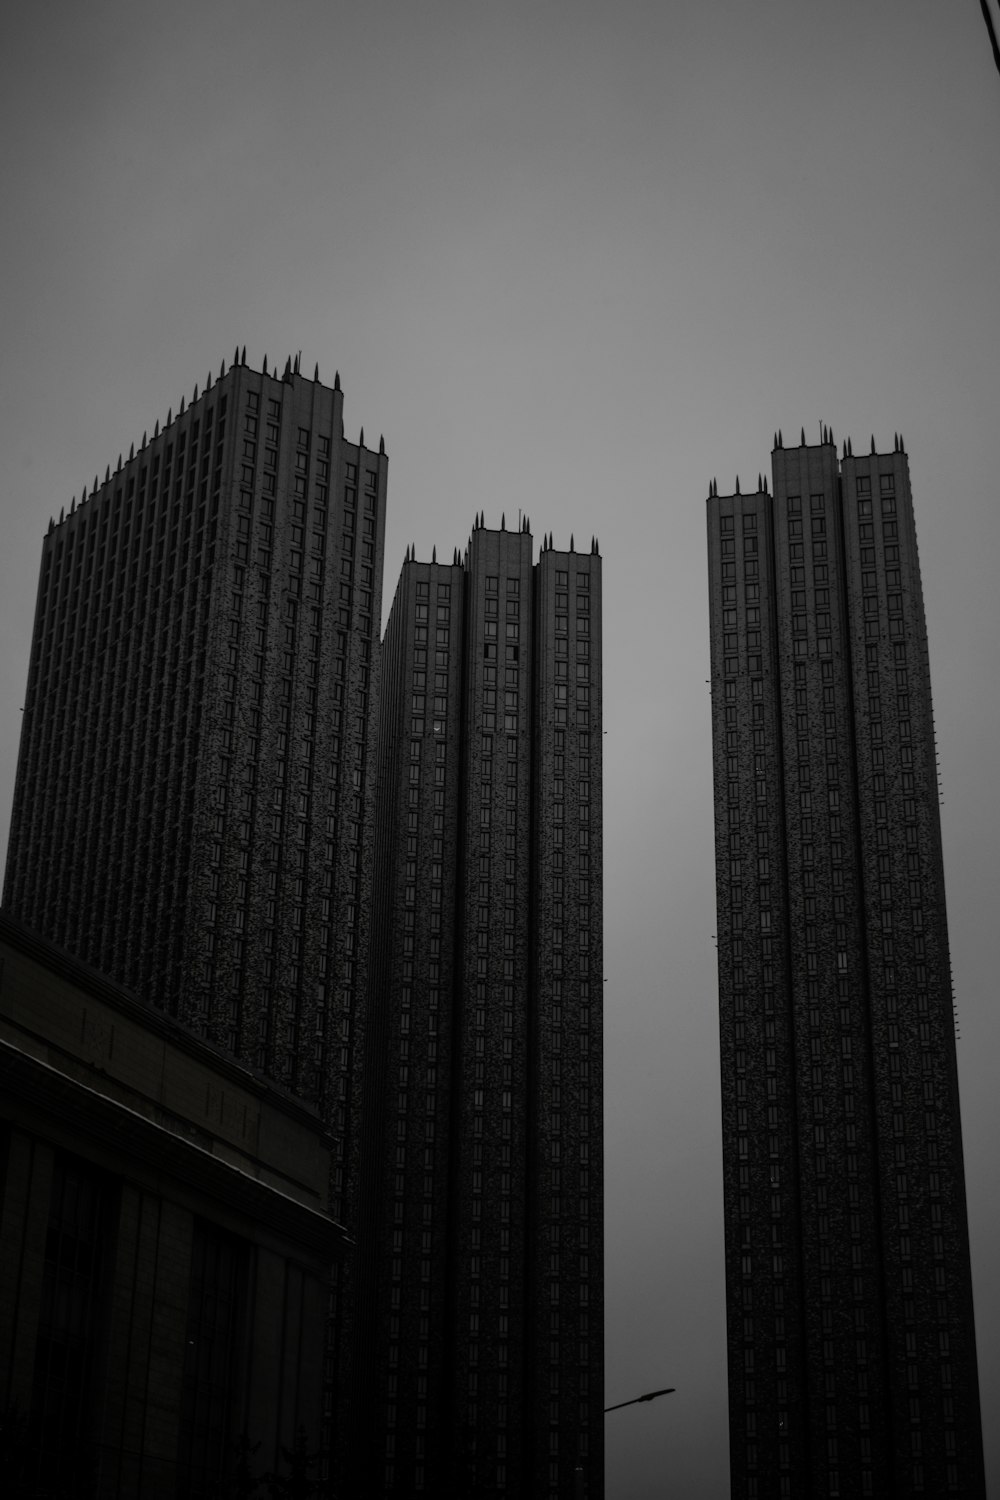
[
  {"x": 70, "y": 1319},
  {"x": 215, "y": 1302}
]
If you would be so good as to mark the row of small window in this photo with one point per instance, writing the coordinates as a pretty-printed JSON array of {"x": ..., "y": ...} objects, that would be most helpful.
[
  {"x": 95, "y": 515},
  {"x": 863, "y": 485},
  {"x": 110, "y": 555},
  {"x": 888, "y": 508}
]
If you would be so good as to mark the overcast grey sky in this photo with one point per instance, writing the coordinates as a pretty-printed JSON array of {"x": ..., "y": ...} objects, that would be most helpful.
[{"x": 574, "y": 259}]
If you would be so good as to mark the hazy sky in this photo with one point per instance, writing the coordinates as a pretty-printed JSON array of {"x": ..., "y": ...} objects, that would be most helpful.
[{"x": 575, "y": 259}]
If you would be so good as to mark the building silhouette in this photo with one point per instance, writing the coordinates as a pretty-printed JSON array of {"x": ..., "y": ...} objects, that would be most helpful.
[
  {"x": 852, "y": 1360},
  {"x": 378, "y": 908},
  {"x": 192, "y": 812},
  {"x": 481, "y": 1335}
]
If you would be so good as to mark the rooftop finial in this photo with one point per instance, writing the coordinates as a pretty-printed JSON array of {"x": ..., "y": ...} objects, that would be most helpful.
[
  {"x": 222, "y": 369},
  {"x": 381, "y": 445},
  {"x": 434, "y": 554},
  {"x": 737, "y": 484},
  {"x": 316, "y": 373},
  {"x": 180, "y": 409},
  {"x": 336, "y": 380},
  {"x": 361, "y": 439},
  {"x": 131, "y": 452},
  {"x": 265, "y": 364},
  {"x": 873, "y": 442},
  {"x": 156, "y": 429},
  {"x": 195, "y": 396}
]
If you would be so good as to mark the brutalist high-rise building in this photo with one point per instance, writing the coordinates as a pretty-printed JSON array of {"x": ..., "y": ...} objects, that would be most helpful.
[
  {"x": 193, "y": 814},
  {"x": 481, "y": 1329},
  {"x": 852, "y": 1360}
]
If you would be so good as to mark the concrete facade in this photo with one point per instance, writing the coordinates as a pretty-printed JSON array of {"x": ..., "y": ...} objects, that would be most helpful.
[
  {"x": 165, "y": 1244},
  {"x": 852, "y": 1361}
]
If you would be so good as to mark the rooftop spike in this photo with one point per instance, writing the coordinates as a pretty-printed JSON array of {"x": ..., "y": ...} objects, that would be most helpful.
[
  {"x": 572, "y": 548},
  {"x": 236, "y": 355},
  {"x": 737, "y": 484},
  {"x": 119, "y": 468},
  {"x": 222, "y": 369},
  {"x": 316, "y": 373},
  {"x": 288, "y": 369},
  {"x": 802, "y": 441},
  {"x": 195, "y": 396},
  {"x": 180, "y": 409},
  {"x": 781, "y": 440},
  {"x": 265, "y": 364},
  {"x": 361, "y": 439},
  {"x": 94, "y": 491},
  {"x": 107, "y": 474},
  {"x": 829, "y": 436},
  {"x": 208, "y": 382},
  {"x": 72, "y": 505},
  {"x": 131, "y": 453},
  {"x": 759, "y": 483},
  {"x": 144, "y": 439},
  {"x": 873, "y": 442},
  {"x": 296, "y": 365},
  {"x": 381, "y": 445},
  {"x": 765, "y": 484},
  {"x": 156, "y": 429},
  {"x": 62, "y": 514},
  {"x": 503, "y": 520},
  {"x": 336, "y": 380},
  {"x": 52, "y": 525},
  {"x": 434, "y": 554}
]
